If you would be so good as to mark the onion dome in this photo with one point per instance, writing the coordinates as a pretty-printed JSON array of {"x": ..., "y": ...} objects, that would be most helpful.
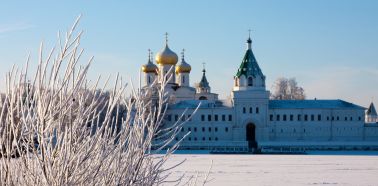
[
  {"x": 149, "y": 67},
  {"x": 183, "y": 67},
  {"x": 166, "y": 56}
]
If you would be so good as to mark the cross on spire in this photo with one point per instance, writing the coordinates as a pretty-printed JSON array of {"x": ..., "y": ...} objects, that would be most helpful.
[
  {"x": 203, "y": 64},
  {"x": 182, "y": 53},
  {"x": 166, "y": 37},
  {"x": 249, "y": 33},
  {"x": 149, "y": 54}
]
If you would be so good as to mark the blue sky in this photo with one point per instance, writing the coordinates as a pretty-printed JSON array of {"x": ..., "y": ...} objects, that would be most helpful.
[{"x": 331, "y": 47}]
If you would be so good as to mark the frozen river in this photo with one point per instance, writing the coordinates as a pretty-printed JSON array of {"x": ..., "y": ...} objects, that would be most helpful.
[{"x": 281, "y": 169}]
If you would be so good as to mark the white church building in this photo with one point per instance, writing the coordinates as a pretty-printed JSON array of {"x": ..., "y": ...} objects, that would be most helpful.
[{"x": 250, "y": 121}]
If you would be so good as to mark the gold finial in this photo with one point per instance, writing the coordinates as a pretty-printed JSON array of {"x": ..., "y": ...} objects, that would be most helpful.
[{"x": 166, "y": 38}]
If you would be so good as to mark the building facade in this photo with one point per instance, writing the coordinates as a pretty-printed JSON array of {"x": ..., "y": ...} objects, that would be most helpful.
[{"x": 249, "y": 120}]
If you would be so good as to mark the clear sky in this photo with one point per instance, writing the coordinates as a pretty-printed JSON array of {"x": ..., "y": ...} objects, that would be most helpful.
[{"x": 331, "y": 47}]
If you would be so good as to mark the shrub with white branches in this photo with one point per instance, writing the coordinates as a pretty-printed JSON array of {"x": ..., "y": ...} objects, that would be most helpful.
[{"x": 58, "y": 128}]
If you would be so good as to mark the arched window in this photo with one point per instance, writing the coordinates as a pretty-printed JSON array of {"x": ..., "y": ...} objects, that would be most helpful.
[
  {"x": 149, "y": 79},
  {"x": 183, "y": 79},
  {"x": 250, "y": 81}
]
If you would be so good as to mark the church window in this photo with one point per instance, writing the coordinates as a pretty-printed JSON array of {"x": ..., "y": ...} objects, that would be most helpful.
[
  {"x": 306, "y": 117},
  {"x": 337, "y": 118},
  {"x": 243, "y": 110},
  {"x": 202, "y": 117},
  {"x": 183, "y": 118},
  {"x": 209, "y": 129},
  {"x": 351, "y": 118},
  {"x": 203, "y": 139},
  {"x": 271, "y": 117},
  {"x": 216, "y": 138},
  {"x": 226, "y": 129},
  {"x": 250, "y": 110},
  {"x": 312, "y": 117},
  {"x": 299, "y": 117},
  {"x": 216, "y": 117},
  {"x": 195, "y": 139},
  {"x": 190, "y": 139},
  {"x": 149, "y": 79},
  {"x": 216, "y": 129},
  {"x": 327, "y": 118},
  {"x": 189, "y": 129},
  {"x": 346, "y": 118},
  {"x": 195, "y": 129},
  {"x": 190, "y": 117},
  {"x": 257, "y": 110},
  {"x": 359, "y": 118},
  {"x": 250, "y": 81},
  {"x": 223, "y": 117},
  {"x": 209, "y": 138},
  {"x": 182, "y": 129},
  {"x": 284, "y": 117},
  {"x": 169, "y": 117},
  {"x": 333, "y": 118},
  {"x": 278, "y": 117},
  {"x": 304, "y": 130},
  {"x": 176, "y": 138},
  {"x": 230, "y": 117},
  {"x": 203, "y": 129},
  {"x": 183, "y": 79},
  {"x": 291, "y": 117},
  {"x": 319, "y": 117},
  {"x": 209, "y": 117},
  {"x": 176, "y": 117}
]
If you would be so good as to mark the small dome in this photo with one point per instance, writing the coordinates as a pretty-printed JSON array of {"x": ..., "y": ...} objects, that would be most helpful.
[
  {"x": 166, "y": 56},
  {"x": 183, "y": 67},
  {"x": 149, "y": 67}
]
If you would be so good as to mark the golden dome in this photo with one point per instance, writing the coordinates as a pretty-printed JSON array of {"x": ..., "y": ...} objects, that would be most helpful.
[
  {"x": 166, "y": 57},
  {"x": 149, "y": 67},
  {"x": 183, "y": 67}
]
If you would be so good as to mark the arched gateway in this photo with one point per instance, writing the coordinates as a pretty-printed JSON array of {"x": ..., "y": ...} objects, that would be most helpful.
[{"x": 251, "y": 135}]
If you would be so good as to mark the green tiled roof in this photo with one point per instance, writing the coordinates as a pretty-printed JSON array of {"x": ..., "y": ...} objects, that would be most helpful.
[{"x": 249, "y": 66}]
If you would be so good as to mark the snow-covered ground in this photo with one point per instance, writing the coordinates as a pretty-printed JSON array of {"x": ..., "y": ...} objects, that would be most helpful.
[{"x": 281, "y": 169}]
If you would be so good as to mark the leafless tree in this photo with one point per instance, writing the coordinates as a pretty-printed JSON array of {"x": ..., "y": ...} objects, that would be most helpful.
[
  {"x": 62, "y": 129},
  {"x": 287, "y": 89}
]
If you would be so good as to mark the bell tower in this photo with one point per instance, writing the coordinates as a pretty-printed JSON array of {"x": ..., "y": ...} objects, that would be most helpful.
[{"x": 250, "y": 100}]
